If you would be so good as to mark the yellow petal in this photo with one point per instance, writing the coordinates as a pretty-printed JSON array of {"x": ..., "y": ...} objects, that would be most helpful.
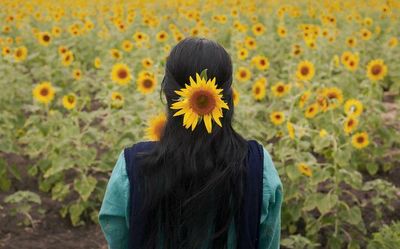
[
  {"x": 213, "y": 82},
  {"x": 224, "y": 105},
  {"x": 198, "y": 79},
  {"x": 192, "y": 82},
  {"x": 216, "y": 115},
  {"x": 180, "y": 112},
  {"x": 179, "y": 105},
  {"x": 207, "y": 122},
  {"x": 187, "y": 116},
  {"x": 194, "y": 121}
]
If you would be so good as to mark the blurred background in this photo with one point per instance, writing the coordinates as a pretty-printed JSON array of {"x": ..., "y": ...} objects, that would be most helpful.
[{"x": 316, "y": 82}]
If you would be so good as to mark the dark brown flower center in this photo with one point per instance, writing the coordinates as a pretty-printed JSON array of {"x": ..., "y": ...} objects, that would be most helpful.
[
  {"x": 71, "y": 99},
  {"x": 46, "y": 38},
  {"x": 147, "y": 83},
  {"x": 257, "y": 90},
  {"x": 360, "y": 139},
  {"x": 278, "y": 116},
  {"x": 376, "y": 69},
  {"x": 243, "y": 74},
  {"x": 44, "y": 91},
  {"x": 122, "y": 74},
  {"x": 202, "y": 102},
  {"x": 18, "y": 53},
  {"x": 280, "y": 89},
  {"x": 262, "y": 62},
  {"x": 304, "y": 70}
]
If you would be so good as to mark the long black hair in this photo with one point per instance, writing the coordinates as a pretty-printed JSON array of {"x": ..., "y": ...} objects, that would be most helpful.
[{"x": 193, "y": 181}]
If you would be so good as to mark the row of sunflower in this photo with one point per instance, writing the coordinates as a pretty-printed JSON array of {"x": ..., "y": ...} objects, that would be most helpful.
[{"x": 80, "y": 83}]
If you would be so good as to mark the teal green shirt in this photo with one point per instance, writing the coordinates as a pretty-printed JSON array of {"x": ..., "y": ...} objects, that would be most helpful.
[{"x": 114, "y": 211}]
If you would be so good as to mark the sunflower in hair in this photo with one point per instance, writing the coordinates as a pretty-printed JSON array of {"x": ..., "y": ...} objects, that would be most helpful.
[{"x": 200, "y": 100}]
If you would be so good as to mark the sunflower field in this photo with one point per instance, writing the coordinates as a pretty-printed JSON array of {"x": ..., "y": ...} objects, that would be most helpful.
[{"x": 316, "y": 82}]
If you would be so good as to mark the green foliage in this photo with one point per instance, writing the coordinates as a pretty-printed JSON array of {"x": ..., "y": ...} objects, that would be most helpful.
[
  {"x": 388, "y": 237},
  {"x": 6, "y": 171},
  {"x": 22, "y": 204}
]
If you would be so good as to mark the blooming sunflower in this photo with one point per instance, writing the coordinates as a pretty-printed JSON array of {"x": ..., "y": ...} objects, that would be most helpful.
[
  {"x": 360, "y": 140},
  {"x": 162, "y": 36},
  {"x": 393, "y": 41},
  {"x": 200, "y": 99},
  {"x": 67, "y": 58},
  {"x": 77, "y": 74},
  {"x": 69, "y": 101},
  {"x": 44, "y": 38},
  {"x": 312, "y": 110},
  {"x": 305, "y": 70},
  {"x": 6, "y": 51},
  {"x": 365, "y": 34},
  {"x": 56, "y": 31},
  {"x": 350, "y": 124},
  {"x": 147, "y": 63},
  {"x": 376, "y": 70},
  {"x": 280, "y": 89},
  {"x": 258, "y": 29},
  {"x": 20, "y": 54},
  {"x": 282, "y": 31},
  {"x": 250, "y": 43},
  {"x": 242, "y": 53},
  {"x": 304, "y": 169},
  {"x": 44, "y": 92},
  {"x": 296, "y": 50},
  {"x": 261, "y": 62},
  {"x": 258, "y": 90},
  {"x": 120, "y": 74},
  {"x": 277, "y": 118},
  {"x": 127, "y": 45},
  {"x": 352, "y": 62},
  {"x": 345, "y": 57},
  {"x": 243, "y": 74},
  {"x": 334, "y": 96},
  {"x": 156, "y": 126},
  {"x": 115, "y": 53},
  {"x": 140, "y": 36},
  {"x": 117, "y": 100},
  {"x": 353, "y": 107},
  {"x": 62, "y": 50},
  {"x": 97, "y": 62},
  {"x": 351, "y": 42},
  {"x": 304, "y": 97},
  {"x": 146, "y": 84}
]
